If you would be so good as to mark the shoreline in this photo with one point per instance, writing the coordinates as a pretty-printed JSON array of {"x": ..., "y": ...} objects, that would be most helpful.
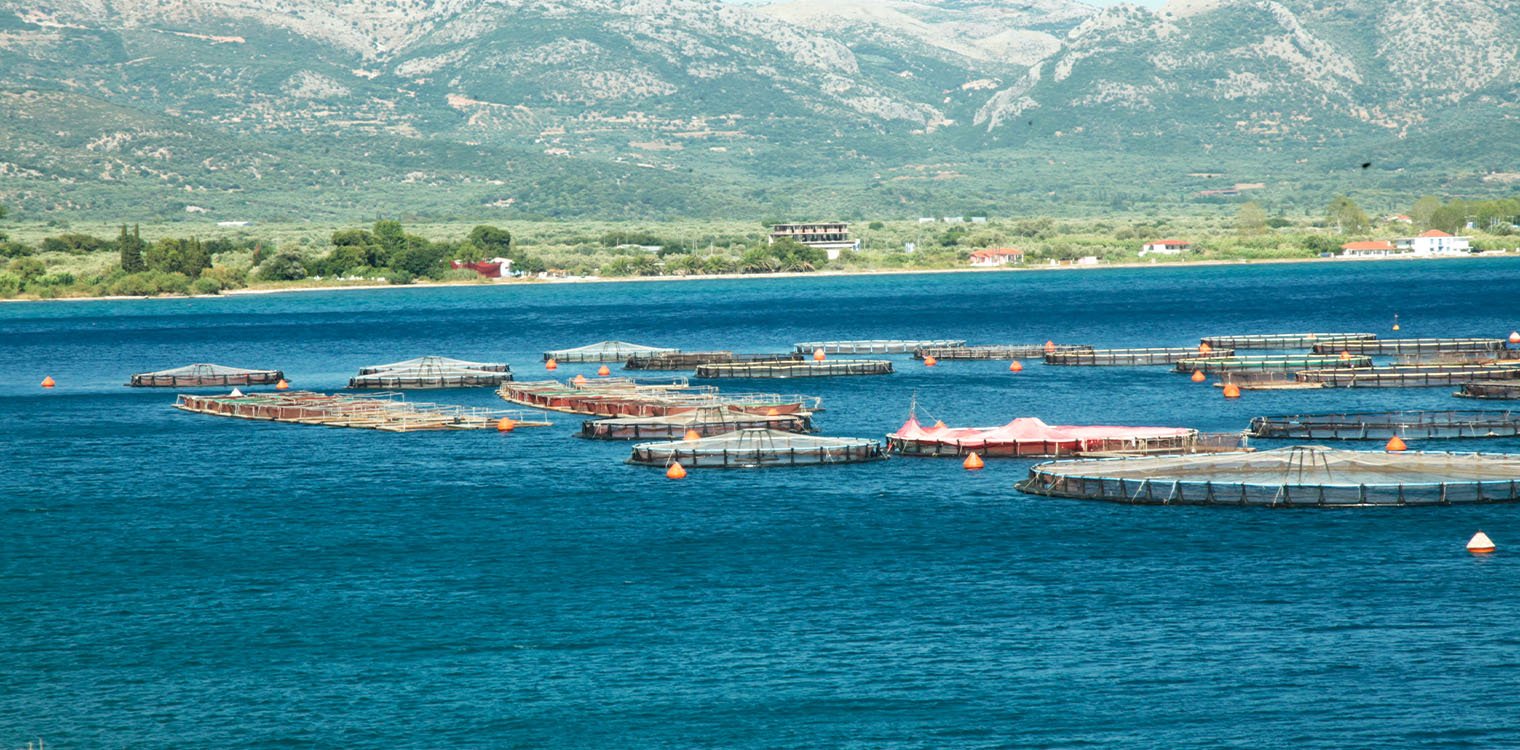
[{"x": 763, "y": 276}]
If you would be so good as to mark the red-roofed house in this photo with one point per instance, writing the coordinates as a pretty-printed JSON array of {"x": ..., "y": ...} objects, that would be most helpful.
[
  {"x": 494, "y": 268},
  {"x": 1434, "y": 242},
  {"x": 994, "y": 257},
  {"x": 1165, "y": 247},
  {"x": 1374, "y": 249}
]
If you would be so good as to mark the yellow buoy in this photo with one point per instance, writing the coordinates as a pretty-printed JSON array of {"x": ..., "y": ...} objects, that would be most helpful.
[
  {"x": 603, "y": 371},
  {"x": 47, "y": 382},
  {"x": 973, "y": 462},
  {"x": 1480, "y": 544},
  {"x": 282, "y": 385},
  {"x": 692, "y": 435},
  {"x": 675, "y": 471},
  {"x": 1396, "y": 444},
  {"x": 1199, "y": 377},
  {"x": 818, "y": 355},
  {"x": 505, "y": 424},
  {"x": 1015, "y": 366},
  {"x": 552, "y": 364},
  {"x": 1231, "y": 390},
  {"x": 930, "y": 361}
]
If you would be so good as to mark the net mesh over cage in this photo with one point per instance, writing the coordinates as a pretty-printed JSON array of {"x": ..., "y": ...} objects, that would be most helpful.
[
  {"x": 1499, "y": 391},
  {"x": 388, "y": 412},
  {"x": 620, "y": 397},
  {"x": 796, "y": 369},
  {"x": 706, "y": 421},
  {"x": 205, "y": 375},
  {"x": 1211, "y": 364},
  {"x": 1426, "y": 425},
  {"x": 690, "y": 360},
  {"x": 605, "y": 351},
  {"x": 757, "y": 448},
  {"x": 429, "y": 372},
  {"x": 995, "y": 351},
  {"x": 1411, "y": 346},
  {"x": 1284, "y": 340},
  {"x": 874, "y": 346},
  {"x": 1301, "y": 476},
  {"x": 432, "y": 361},
  {"x": 1408, "y": 376},
  {"x": 1167, "y": 355},
  {"x": 1027, "y": 436}
]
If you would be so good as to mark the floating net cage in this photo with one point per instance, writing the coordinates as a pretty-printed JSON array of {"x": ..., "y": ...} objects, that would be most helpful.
[
  {"x": 1265, "y": 380},
  {"x": 429, "y": 372},
  {"x": 1029, "y": 437},
  {"x": 1284, "y": 340},
  {"x": 198, "y": 375},
  {"x": 388, "y": 412},
  {"x": 1408, "y": 376},
  {"x": 1214, "y": 365},
  {"x": 619, "y": 397},
  {"x": 1422, "y": 425},
  {"x": 1489, "y": 390},
  {"x": 1460, "y": 357},
  {"x": 757, "y": 448},
  {"x": 1121, "y": 357},
  {"x": 605, "y": 351},
  {"x": 1302, "y": 476},
  {"x": 691, "y": 360},
  {"x": 995, "y": 351},
  {"x": 431, "y": 361},
  {"x": 875, "y": 346},
  {"x": 706, "y": 421},
  {"x": 1411, "y": 346},
  {"x": 796, "y": 369}
]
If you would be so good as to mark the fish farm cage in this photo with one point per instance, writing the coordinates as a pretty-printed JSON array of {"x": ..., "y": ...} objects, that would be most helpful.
[
  {"x": 1421, "y": 425},
  {"x": 1122, "y": 357},
  {"x": 433, "y": 361},
  {"x": 205, "y": 375},
  {"x": 1283, "y": 340},
  {"x": 705, "y": 421},
  {"x": 691, "y": 360},
  {"x": 625, "y": 398},
  {"x": 1408, "y": 376},
  {"x": 1495, "y": 391},
  {"x": 1265, "y": 380},
  {"x": 796, "y": 369},
  {"x": 1411, "y": 346},
  {"x": 747, "y": 449},
  {"x": 1214, "y": 365},
  {"x": 1028, "y": 437},
  {"x": 1295, "y": 477},
  {"x": 606, "y": 351},
  {"x": 429, "y": 373},
  {"x": 874, "y": 346},
  {"x": 388, "y": 412},
  {"x": 995, "y": 351}
]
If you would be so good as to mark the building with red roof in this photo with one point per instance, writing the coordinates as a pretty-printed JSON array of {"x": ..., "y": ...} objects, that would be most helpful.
[
  {"x": 1434, "y": 242},
  {"x": 994, "y": 257}
]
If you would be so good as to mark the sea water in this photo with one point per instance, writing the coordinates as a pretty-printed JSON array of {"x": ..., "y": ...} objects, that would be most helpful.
[{"x": 175, "y": 579}]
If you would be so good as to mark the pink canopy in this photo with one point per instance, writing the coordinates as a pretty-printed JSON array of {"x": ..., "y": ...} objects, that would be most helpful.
[{"x": 1031, "y": 430}]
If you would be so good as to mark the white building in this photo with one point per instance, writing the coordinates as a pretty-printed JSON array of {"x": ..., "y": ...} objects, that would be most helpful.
[
  {"x": 1165, "y": 247},
  {"x": 1373, "y": 249},
  {"x": 1434, "y": 242}
]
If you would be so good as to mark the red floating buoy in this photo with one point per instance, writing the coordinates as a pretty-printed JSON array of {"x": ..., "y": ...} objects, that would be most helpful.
[
  {"x": 1050, "y": 346},
  {"x": 47, "y": 382},
  {"x": 579, "y": 380},
  {"x": 603, "y": 371},
  {"x": 505, "y": 424},
  {"x": 930, "y": 361},
  {"x": 675, "y": 471},
  {"x": 1199, "y": 377},
  {"x": 973, "y": 462},
  {"x": 1015, "y": 366},
  {"x": 1514, "y": 337},
  {"x": 1480, "y": 544},
  {"x": 1395, "y": 444},
  {"x": 818, "y": 355},
  {"x": 1231, "y": 390},
  {"x": 282, "y": 385},
  {"x": 552, "y": 364}
]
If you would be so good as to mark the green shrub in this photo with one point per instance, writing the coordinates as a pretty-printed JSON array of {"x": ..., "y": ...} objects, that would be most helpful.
[{"x": 10, "y": 284}]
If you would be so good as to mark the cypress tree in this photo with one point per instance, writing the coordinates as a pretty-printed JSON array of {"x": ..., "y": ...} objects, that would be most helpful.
[{"x": 131, "y": 250}]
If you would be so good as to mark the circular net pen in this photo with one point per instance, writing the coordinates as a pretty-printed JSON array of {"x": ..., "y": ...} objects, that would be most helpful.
[
  {"x": 1215, "y": 365},
  {"x": 692, "y": 360},
  {"x": 1410, "y": 346},
  {"x": 1489, "y": 391},
  {"x": 1303, "y": 476},
  {"x": 1284, "y": 340},
  {"x": 996, "y": 351},
  {"x": 796, "y": 369},
  {"x": 749, "y": 449},
  {"x": 429, "y": 375},
  {"x": 205, "y": 375},
  {"x": 1122, "y": 357},
  {"x": 1407, "y": 376},
  {"x": 605, "y": 351},
  {"x": 706, "y": 421},
  {"x": 431, "y": 361},
  {"x": 1414, "y": 425},
  {"x": 875, "y": 346}
]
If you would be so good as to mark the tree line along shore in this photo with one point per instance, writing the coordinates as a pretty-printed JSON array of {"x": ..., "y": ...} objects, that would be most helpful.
[{"x": 54, "y": 260}]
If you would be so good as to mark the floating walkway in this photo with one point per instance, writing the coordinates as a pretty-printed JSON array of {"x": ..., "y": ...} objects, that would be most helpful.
[
  {"x": 204, "y": 376},
  {"x": 605, "y": 351},
  {"x": 1026, "y": 437},
  {"x": 1412, "y": 346},
  {"x": 430, "y": 373},
  {"x": 995, "y": 351},
  {"x": 1298, "y": 477},
  {"x": 796, "y": 369},
  {"x": 626, "y": 398},
  {"x": 1495, "y": 391},
  {"x": 748, "y": 449},
  {"x": 1121, "y": 357},
  {"x": 1284, "y": 340},
  {"x": 1409, "y": 425},
  {"x": 1214, "y": 365},
  {"x": 875, "y": 346},
  {"x": 387, "y": 412},
  {"x": 691, "y": 360},
  {"x": 1408, "y": 376},
  {"x": 705, "y": 421}
]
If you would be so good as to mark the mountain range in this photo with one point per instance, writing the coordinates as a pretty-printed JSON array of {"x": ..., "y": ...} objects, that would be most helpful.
[{"x": 317, "y": 109}]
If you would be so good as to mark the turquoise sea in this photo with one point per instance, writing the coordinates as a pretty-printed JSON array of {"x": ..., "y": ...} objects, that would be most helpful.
[{"x": 179, "y": 580}]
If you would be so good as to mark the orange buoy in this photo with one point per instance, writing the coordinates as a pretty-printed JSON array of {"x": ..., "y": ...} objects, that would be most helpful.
[
  {"x": 692, "y": 435},
  {"x": 939, "y": 424},
  {"x": 1396, "y": 444},
  {"x": 1199, "y": 377},
  {"x": 1205, "y": 348},
  {"x": 772, "y": 412},
  {"x": 675, "y": 471},
  {"x": 552, "y": 364},
  {"x": 1015, "y": 366},
  {"x": 505, "y": 424},
  {"x": 579, "y": 380},
  {"x": 930, "y": 361},
  {"x": 1311, "y": 336},
  {"x": 973, "y": 462},
  {"x": 1231, "y": 390},
  {"x": 1480, "y": 544},
  {"x": 282, "y": 385},
  {"x": 47, "y": 382},
  {"x": 1395, "y": 321},
  {"x": 1345, "y": 356},
  {"x": 1514, "y": 337},
  {"x": 818, "y": 355},
  {"x": 603, "y": 371},
  {"x": 1050, "y": 346}
]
